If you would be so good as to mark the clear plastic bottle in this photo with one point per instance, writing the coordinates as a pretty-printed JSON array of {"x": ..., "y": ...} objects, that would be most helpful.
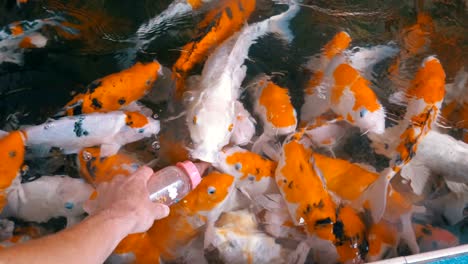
[{"x": 171, "y": 184}]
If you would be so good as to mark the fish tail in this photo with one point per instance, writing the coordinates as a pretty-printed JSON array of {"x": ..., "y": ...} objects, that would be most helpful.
[
  {"x": 408, "y": 234},
  {"x": 375, "y": 196},
  {"x": 280, "y": 25}
]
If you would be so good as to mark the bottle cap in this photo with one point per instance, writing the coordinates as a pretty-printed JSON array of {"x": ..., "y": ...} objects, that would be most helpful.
[{"x": 192, "y": 172}]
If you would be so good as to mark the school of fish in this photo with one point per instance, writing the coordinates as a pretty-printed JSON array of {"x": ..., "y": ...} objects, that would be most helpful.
[{"x": 283, "y": 186}]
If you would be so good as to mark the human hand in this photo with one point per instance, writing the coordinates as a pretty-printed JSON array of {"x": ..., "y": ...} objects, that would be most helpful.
[{"x": 127, "y": 198}]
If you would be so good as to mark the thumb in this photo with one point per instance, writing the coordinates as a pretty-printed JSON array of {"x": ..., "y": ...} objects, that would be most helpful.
[{"x": 160, "y": 211}]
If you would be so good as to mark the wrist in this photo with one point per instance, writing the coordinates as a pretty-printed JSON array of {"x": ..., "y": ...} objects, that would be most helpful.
[{"x": 117, "y": 221}]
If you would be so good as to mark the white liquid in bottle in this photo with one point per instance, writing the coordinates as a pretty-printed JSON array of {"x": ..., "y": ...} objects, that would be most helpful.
[{"x": 171, "y": 184}]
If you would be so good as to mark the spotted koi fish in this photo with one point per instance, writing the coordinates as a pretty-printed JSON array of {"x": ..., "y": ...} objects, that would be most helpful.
[
  {"x": 341, "y": 88},
  {"x": 273, "y": 106},
  {"x": 254, "y": 174},
  {"x": 20, "y": 35},
  {"x": 310, "y": 204},
  {"x": 225, "y": 19},
  {"x": 109, "y": 130},
  {"x": 433, "y": 238},
  {"x": 95, "y": 168},
  {"x": 12, "y": 157},
  {"x": 211, "y": 113},
  {"x": 115, "y": 91},
  {"x": 425, "y": 97}
]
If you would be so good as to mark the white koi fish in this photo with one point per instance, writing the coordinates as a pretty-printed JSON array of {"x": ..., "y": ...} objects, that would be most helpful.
[
  {"x": 49, "y": 197},
  {"x": 109, "y": 130},
  {"x": 211, "y": 115}
]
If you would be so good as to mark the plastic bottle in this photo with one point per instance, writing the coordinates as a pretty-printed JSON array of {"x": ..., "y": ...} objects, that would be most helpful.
[{"x": 171, "y": 184}]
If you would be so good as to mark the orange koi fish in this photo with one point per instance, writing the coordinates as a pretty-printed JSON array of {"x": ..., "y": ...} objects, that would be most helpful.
[
  {"x": 309, "y": 202},
  {"x": 254, "y": 174},
  {"x": 382, "y": 239},
  {"x": 425, "y": 97},
  {"x": 109, "y": 130},
  {"x": 344, "y": 90},
  {"x": 12, "y": 157},
  {"x": 211, "y": 114},
  {"x": 96, "y": 169},
  {"x": 414, "y": 41},
  {"x": 273, "y": 106},
  {"x": 433, "y": 238},
  {"x": 199, "y": 208},
  {"x": 226, "y": 19},
  {"x": 115, "y": 91}
]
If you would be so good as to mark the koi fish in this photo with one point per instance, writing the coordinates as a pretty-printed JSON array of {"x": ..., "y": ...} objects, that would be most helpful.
[
  {"x": 96, "y": 169},
  {"x": 115, "y": 91},
  {"x": 315, "y": 207},
  {"x": 110, "y": 130},
  {"x": 425, "y": 97},
  {"x": 339, "y": 86},
  {"x": 20, "y": 35},
  {"x": 433, "y": 238},
  {"x": 414, "y": 41},
  {"x": 12, "y": 157},
  {"x": 273, "y": 106},
  {"x": 226, "y": 19},
  {"x": 211, "y": 115},
  {"x": 65, "y": 196},
  {"x": 254, "y": 174},
  {"x": 238, "y": 240},
  {"x": 168, "y": 236},
  {"x": 382, "y": 239},
  {"x": 325, "y": 133},
  {"x": 244, "y": 126}
]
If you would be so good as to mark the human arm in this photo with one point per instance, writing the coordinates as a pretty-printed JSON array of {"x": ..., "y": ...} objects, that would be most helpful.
[{"x": 122, "y": 207}]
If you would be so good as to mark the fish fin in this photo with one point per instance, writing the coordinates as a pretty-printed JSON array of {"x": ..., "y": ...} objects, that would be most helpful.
[
  {"x": 457, "y": 187},
  {"x": 3, "y": 133},
  {"x": 418, "y": 175},
  {"x": 299, "y": 255},
  {"x": 364, "y": 59},
  {"x": 384, "y": 144},
  {"x": 376, "y": 196},
  {"x": 280, "y": 25},
  {"x": 398, "y": 98},
  {"x": 138, "y": 107},
  {"x": 257, "y": 146},
  {"x": 408, "y": 234},
  {"x": 109, "y": 149},
  {"x": 210, "y": 234}
]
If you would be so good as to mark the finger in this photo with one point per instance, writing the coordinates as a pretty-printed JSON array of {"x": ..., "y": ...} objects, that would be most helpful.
[
  {"x": 160, "y": 211},
  {"x": 144, "y": 173}
]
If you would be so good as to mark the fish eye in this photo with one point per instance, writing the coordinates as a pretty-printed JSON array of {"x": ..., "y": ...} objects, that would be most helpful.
[
  {"x": 69, "y": 205},
  {"x": 238, "y": 166},
  {"x": 211, "y": 190},
  {"x": 363, "y": 112}
]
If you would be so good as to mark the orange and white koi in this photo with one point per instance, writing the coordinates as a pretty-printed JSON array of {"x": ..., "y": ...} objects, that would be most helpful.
[
  {"x": 227, "y": 18},
  {"x": 211, "y": 113},
  {"x": 254, "y": 174},
  {"x": 65, "y": 196},
  {"x": 109, "y": 130},
  {"x": 115, "y": 91},
  {"x": 238, "y": 239},
  {"x": 433, "y": 238},
  {"x": 340, "y": 87},
  {"x": 425, "y": 97},
  {"x": 273, "y": 106},
  {"x": 12, "y": 157},
  {"x": 20, "y": 35}
]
